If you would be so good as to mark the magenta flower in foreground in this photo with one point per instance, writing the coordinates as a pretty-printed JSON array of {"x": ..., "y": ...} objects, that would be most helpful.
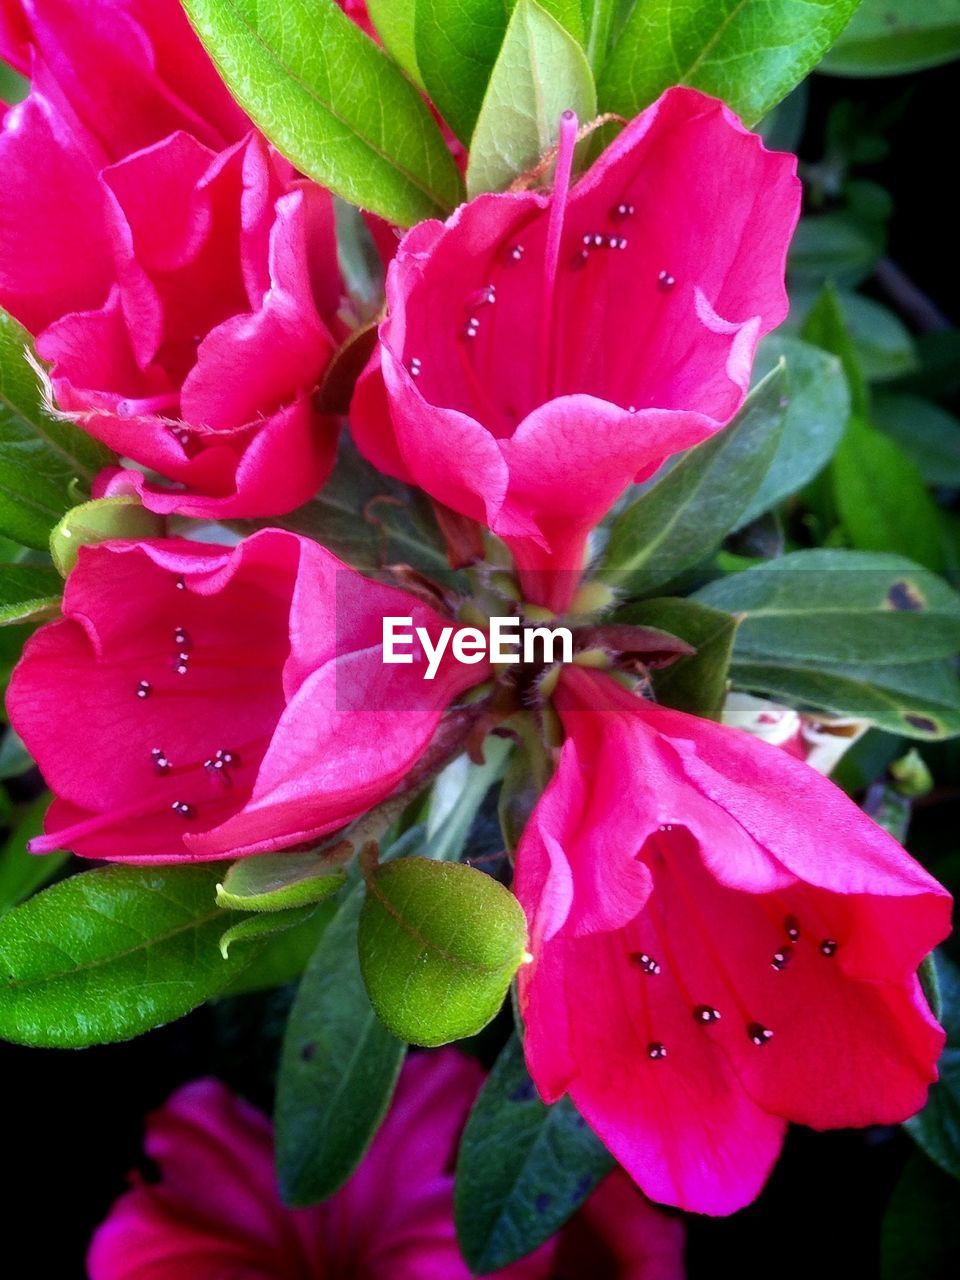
[
  {"x": 196, "y": 702},
  {"x": 723, "y": 942},
  {"x": 540, "y": 353},
  {"x": 180, "y": 277},
  {"x": 214, "y": 1212}
]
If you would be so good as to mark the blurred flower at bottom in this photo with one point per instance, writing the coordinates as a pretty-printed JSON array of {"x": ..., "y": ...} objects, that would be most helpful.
[{"x": 213, "y": 1213}]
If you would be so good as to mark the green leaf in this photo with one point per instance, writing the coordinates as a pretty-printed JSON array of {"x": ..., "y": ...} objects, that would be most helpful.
[
  {"x": 111, "y": 953},
  {"x": 750, "y": 53},
  {"x": 837, "y": 606},
  {"x": 41, "y": 458},
  {"x": 540, "y": 72},
  {"x": 284, "y": 956},
  {"x": 14, "y": 756},
  {"x": 332, "y": 102},
  {"x": 338, "y": 1069},
  {"x": 604, "y": 22},
  {"x": 458, "y": 793},
  {"x": 685, "y": 515},
  {"x": 927, "y": 434},
  {"x": 886, "y": 38},
  {"x": 262, "y": 925},
  {"x": 937, "y": 1128},
  {"x": 929, "y": 978},
  {"x": 372, "y": 521},
  {"x": 28, "y": 592},
  {"x": 826, "y": 327},
  {"x": 884, "y": 345},
  {"x": 880, "y": 342},
  {"x": 12, "y": 640},
  {"x": 833, "y": 246},
  {"x": 919, "y": 1239},
  {"x": 697, "y": 684},
  {"x": 457, "y": 42},
  {"x": 816, "y": 416},
  {"x": 783, "y": 127},
  {"x": 279, "y": 881},
  {"x": 881, "y": 499},
  {"x": 528, "y": 773},
  {"x": 917, "y": 699},
  {"x": 100, "y": 520},
  {"x": 394, "y": 24},
  {"x": 439, "y": 943},
  {"x": 523, "y": 1168},
  {"x": 22, "y": 873}
]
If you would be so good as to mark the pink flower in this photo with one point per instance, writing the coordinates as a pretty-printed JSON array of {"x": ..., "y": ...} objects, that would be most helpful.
[
  {"x": 540, "y": 353},
  {"x": 215, "y": 1211},
  {"x": 197, "y": 702},
  {"x": 180, "y": 277},
  {"x": 723, "y": 945}
]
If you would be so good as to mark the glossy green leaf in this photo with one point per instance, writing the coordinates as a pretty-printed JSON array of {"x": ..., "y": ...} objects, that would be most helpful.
[
  {"x": 458, "y": 793},
  {"x": 394, "y": 24},
  {"x": 883, "y": 343},
  {"x": 937, "y": 1128},
  {"x": 881, "y": 499},
  {"x": 540, "y": 72},
  {"x": 917, "y": 699},
  {"x": 279, "y": 881},
  {"x": 111, "y": 953},
  {"x": 604, "y": 19},
  {"x": 697, "y": 684},
  {"x": 100, "y": 520},
  {"x": 285, "y": 956},
  {"x": 23, "y": 873},
  {"x": 439, "y": 943},
  {"x": 816, "y": 416},
  {"x": 14, "y": 756},
  {"x": 373, "y": 521},
  {"x": 332, "y": 102},
  {"x": 41, "y": 458},
  {"x": 750, "y": 53},
  {"x": 528, "y": 772},
  {"x": 884, "y": 346},
  {"x": 887, "y": 37},
  {"x": 523, "y": 1168},
  {"x": 457, "y": 43},
  {"x": 783, "y": 127},
  {"x": 839, "y": 607},
  {"x": 338, "y": 1069},
  {"x": 919, "y": 1239},
  {"x": 833, "y": 246},
  {"x": 682, "y": 517},
  {"x": 12, "y": 640},
  {"x": 28, "y": 592},
  {"x": 826, "y": 327},
  {"x": 927, "y": 434},
  {"x": 262, "y": 925},
  {"x": 930, "y": 979}
]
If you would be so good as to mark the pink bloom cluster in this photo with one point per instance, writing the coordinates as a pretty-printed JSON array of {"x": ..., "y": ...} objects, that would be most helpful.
[
  {"x": 721, "y": 941},
  {"x": 180, "y": 276},
  {"x": 214, "y": 1211}
]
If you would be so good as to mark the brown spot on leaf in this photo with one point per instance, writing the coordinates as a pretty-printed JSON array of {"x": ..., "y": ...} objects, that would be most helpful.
[
  {"x": 923, "y": 723},
  {"x": 904, "y": 596}
]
